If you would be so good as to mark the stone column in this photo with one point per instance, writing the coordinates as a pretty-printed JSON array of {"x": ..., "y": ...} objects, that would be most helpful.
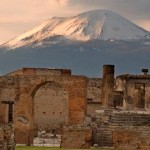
[
  {"x": 108, "y": 86},
  {"x": 1, "y": 115}
]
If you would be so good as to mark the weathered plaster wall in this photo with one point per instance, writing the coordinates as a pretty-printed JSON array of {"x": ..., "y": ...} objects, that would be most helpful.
[{"x": 50, "y": 106}]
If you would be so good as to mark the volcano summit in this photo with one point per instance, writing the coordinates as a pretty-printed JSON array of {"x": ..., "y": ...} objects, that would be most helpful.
[{"x": 96, "y": 24}]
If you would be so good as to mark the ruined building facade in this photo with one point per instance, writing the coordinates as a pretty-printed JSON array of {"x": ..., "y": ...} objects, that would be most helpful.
[
  {"x": 42, "y": 96},
  {"x": 125, "y": 92},
  {"x": 47, "y": 99}
]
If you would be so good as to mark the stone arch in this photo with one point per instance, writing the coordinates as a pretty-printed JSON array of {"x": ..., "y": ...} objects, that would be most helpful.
[
  {"x": 34, "y": 90},
  {"x": 50, "y": 105}
]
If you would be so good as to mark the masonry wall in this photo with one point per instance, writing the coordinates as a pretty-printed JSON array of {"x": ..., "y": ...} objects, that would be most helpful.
[
  {"x": 134, "y": 139},
  {"x": 6, "y": 138},
  {"x": 94, "y": 89},
  {"x": 40, "y": 71},
  {"x": 51, "y": 107},
  {"x": 1, "y": 136},
  {"x": 26, "y": 91},
  {"x": 136, "y": 91},
  {"x": 80, "y": 138}
]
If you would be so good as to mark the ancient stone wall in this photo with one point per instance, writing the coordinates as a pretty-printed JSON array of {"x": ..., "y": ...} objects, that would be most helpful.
[
  {"x": 102, "y": 138},
  {"x": 66, "y": 97},
  {"x": 6, "y": 137},
  {"x": 121, "y": 130},
  {"x": 1, "y": 137},
  {"x": 92, "y": 107},
  {"x": 136, "y": 91},
  {"x": 76, "y": 138},
  {"x": 7, "y": 93},
  {"x": 40, "y": 71},
  {"x": 94, "y": 88},
  {"x": 47, "y": 99},
  {"x": 135, "y": 139},
  {"x": 51, "y": 106}
]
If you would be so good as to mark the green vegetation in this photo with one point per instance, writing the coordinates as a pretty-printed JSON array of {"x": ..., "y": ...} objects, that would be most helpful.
[
  {"x": 46, "y": 148},
  {"x": 35, "y": 148}
]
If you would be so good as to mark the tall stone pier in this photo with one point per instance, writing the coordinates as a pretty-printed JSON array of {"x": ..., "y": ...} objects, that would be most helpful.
[{"x": 108, "y": 86}]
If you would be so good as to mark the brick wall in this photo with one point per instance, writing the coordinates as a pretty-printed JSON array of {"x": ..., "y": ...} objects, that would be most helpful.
[
  {"x": 94, "y": 88},
  {"x": 40, "y": 71},
  {"x": 134, "y": 139},
  {"x": 68, "y": 99},
  {"x": 51, "y": 106},
  {"x": 136, "y": 90},
  {"x": 6, "y": 137},
  {"x": 76, "y": 138}
]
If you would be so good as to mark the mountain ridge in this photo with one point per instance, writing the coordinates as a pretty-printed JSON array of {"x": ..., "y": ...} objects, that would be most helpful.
[{"x": 95, "y": 24}]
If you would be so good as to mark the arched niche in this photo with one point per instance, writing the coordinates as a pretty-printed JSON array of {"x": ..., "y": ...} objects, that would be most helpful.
[{"x": 50, "y": 106}]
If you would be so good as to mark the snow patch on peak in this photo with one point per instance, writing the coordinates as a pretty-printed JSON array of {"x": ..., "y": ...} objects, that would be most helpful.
[
  {"x": 96, "y": 24},
  {"x": 36, "y": 34}
]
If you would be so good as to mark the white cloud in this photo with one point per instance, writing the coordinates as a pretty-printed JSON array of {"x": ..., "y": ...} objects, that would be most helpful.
[
  {"x": 63, "y": 2},
  {"x": 17, "y": 16},
  {"x": 28, "y": 13}
]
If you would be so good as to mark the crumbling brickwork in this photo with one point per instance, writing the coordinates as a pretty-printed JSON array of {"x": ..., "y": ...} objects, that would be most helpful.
[
  {"x": 138, "y": 139},
  {"x": 1, "y": 137},
  {"x": 6, "y": 137},
  {"x": 50, "y": 96},
  {"x": 40, "y": 71},
  {"x": 94, "y": 88},
  {"x": 47, "y": 99},
  {"x": 69, "y": 91},
  {"x": 79, "y": 138},
  {"x": 136, "y": 91}
]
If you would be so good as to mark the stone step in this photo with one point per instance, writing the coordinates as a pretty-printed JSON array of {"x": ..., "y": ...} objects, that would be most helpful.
[
  {"x": 130, "y": 116},
  {"x": 131, "y": 119},
  {"x": 135, "y": 116}
]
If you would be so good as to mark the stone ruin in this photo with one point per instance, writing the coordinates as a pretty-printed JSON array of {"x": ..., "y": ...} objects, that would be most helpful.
[
  {"x": 101, "y": 112},
  {"x": 7, "y": 141}
]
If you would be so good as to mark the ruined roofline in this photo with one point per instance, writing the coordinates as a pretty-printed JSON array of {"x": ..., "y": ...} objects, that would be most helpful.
[
  {"x": 39, "y": 71},
  {"x": 129, "y": 76},
  {"x": 95, "y": 78}
]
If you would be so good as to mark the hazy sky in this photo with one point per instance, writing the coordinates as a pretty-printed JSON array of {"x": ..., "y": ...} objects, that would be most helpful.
[{"x": 18, "y": 16}]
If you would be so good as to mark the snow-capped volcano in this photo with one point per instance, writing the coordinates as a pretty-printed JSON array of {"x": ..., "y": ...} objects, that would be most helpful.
[{"x": 96, "y": 24}]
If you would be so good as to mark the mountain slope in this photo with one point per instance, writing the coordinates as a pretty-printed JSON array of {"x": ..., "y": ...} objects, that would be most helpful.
[
  {"x": 96, "y": 24},
  {"x": 84, "y": 58},
  {"x": 82, "y": 43}
]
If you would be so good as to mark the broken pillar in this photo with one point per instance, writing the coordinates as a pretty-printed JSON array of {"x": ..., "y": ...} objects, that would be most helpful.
[
  {"x": 145, "y": 71},
  {"x": 7, "y": 130},
  {"x": 108, "y": 86}
]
